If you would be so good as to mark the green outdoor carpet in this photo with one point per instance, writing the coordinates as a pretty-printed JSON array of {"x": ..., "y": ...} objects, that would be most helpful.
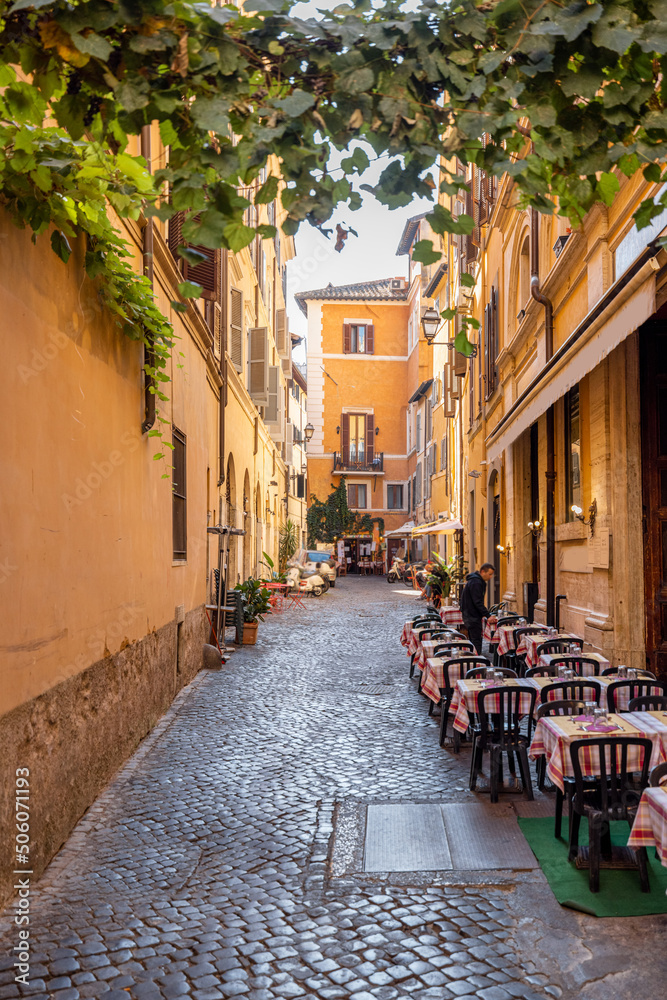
[{"x": 620, "y": 894}]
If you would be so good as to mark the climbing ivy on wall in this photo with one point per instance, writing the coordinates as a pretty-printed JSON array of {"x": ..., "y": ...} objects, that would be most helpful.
[{"x": 329, "y": 519}]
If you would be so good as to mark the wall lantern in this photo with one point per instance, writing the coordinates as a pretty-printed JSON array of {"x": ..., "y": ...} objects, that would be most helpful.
[
  {"x": 536, "y": 527},
  {"x": 505, "y": 550},
  {"x": 308, "y": 431},
  {"x": 592, "y": 515},
  {"x": 431, "y": 324}
]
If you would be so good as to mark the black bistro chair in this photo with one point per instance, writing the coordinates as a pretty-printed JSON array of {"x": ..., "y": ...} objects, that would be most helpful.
[
  {"x": 518, "y": 633},
  {"x": 614, "y": 796},
  {"x": 636, "y": 689},
  {"x": 500, "y": 732},
  {"x": 648, "y": 703},
  {"x": 456, "y": 666},
  {"x": 658, "y": 774},
  {"x": 552, "y": 708},
  {"x": 476, "y": 672},
  {"x": 447, "y": 651},
  {"x": 579, "y": 690},
  {"x": 641, "y": 674},
  {"x": 434, "y": 632},
  {"x": 573, "y": 661},
  {"x": 558, "y": 646},
  {"x": 547, "y": 671}
]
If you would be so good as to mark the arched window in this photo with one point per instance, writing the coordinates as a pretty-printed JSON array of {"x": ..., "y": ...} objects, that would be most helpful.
[{"x": 524, "y": 277}]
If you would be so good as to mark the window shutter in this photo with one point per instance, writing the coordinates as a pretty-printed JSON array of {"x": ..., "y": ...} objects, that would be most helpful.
[
  {"x": 281, "y": 332},
  {"x": 347, "y": 338},
  {"x": 370, "y": 340},
  {"x": 409, "y": 507},
  {"x": 236, "y": 329},
  {"x": 345, "y": 438},
  {"x": 176, "y": 235},
  {"x": 300, "y": 486},
  {"x": 470, "y": 248},
  {"x": 447, "y": 394},
  {"x": 271, "y": 410},
  {"x": 370, "y": 438},
  {"x": 460, "y": 364},
  {"x": 494, "y": 338},
  {"x": 204, "y": 274},
  {"x": 258, "y": 365}
]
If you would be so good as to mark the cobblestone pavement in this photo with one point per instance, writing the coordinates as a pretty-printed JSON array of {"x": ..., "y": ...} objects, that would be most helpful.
[{"x": 202, "y": 869}]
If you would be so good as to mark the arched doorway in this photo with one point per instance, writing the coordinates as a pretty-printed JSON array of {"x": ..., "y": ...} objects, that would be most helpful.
[
  {"x": 494, "y": 533},
  {"x": 247, "y": 522}
]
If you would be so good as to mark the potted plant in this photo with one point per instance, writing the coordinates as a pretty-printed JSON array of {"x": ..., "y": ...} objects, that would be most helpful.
[{"x": 255, "y": 598}]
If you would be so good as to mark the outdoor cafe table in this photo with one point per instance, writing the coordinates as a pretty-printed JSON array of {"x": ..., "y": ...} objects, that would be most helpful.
[
  {"x": 433, "y": 675},
  {"x": 546, "y": 658},
  {"x": 451, "y": 615},
  {"x": 650, "y": 825},
  {"x": 529, "y": 643},
  {"x": 426, "y": 648},
  {"x": 555, "y": 734},
  {"x": 410, "y": 636},
  {"x": 490, "y": 628}
]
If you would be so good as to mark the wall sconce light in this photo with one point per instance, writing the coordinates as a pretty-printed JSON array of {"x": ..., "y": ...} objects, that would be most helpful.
[
  {"x": 505, "y": 550},
  {"x": 536, "y": 527},
  {"x": 308, "y": 431},
  {"x": 592, "y": 515},
  {"x": 431, "y": 323},
  {"x": 377, "y": 431},
  {"x": 338, "y": 429}
]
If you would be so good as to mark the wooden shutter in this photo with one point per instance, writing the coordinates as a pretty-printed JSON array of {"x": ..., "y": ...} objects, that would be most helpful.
[
  {"x": 271, "y": 411},
  {"x": 281, "y": 332},
  {"x": 447, "y": 394},
  {"x": 347, "y": 338},
  {"x": 494, "y": 339},
  {"x": 460, "y": 364},
  {"x": 258, "y": 365},
  {"x": 236, "y": 329},
  {"x": 176, "y": 235},
  {"x": 470, "y": 248},
  {"x": 370, "y": 438},
  {"x": 370, "y": 340},
  {"x": 345, "y": 439}
]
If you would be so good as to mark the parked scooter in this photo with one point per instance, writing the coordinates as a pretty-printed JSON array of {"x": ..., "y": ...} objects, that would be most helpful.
[
  {"x": 306, "y": 583},
  {"x": 395, "y": 572}
]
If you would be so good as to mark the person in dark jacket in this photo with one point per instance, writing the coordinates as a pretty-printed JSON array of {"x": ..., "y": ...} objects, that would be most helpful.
[{"x": 473, "y": 608}]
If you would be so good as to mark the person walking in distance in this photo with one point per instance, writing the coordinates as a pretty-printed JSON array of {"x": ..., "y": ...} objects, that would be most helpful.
[{"x": 473, "y": 608}]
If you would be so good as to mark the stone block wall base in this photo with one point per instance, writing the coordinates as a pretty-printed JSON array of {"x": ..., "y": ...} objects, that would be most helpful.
[{"x": 74, "y": 737}]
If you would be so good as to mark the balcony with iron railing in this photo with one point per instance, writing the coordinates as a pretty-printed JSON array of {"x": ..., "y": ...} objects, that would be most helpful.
[{"x": 375, "y": 467}]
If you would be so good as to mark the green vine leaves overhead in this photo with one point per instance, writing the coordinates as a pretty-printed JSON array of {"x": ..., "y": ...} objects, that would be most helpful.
[
  {"x": 329, "y": 519},
  {"x": 585, "y": 82}
]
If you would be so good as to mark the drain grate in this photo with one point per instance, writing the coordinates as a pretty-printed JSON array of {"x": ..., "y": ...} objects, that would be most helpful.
[{"x": 456, "y": 837}]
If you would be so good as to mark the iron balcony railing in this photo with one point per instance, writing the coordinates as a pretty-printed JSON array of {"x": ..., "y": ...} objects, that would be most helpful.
[{"x": 375, "y": 465}]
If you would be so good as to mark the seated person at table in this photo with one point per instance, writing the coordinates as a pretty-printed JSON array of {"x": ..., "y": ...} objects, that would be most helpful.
[{"x": 473, "y": 608}]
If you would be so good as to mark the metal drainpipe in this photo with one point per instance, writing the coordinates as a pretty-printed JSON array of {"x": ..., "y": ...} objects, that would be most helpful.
[
  {"x": 149, "y": 397},
  {"x": 540, "y": 297},
  {"x": 224, "y": 293}
]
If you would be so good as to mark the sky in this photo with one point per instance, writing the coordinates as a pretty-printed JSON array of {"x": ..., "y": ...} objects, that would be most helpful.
[{"x": 369, "y": 256}]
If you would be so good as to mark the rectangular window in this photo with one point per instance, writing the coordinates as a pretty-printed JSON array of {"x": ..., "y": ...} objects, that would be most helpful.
[
  {"x": 357, "y": 438},
  {"x": 418, "y": 484},
  {"x": 395, "y": 497},
  {"x": 573, "y": 489},
  {"x": 356, "y": 495},
  {"x": 418, "y": 433},
  {"x": 179, "y": 497},
  {"x": 358, "y": 338}
]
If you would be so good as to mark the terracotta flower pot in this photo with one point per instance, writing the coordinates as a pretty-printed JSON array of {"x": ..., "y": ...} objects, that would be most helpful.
[{"x": 250, "y": 633}]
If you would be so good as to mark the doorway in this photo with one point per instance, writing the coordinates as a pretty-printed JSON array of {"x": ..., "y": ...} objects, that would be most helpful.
[
  {"x": 494, "y": 490},
  {"x": 653, "y": 353}
]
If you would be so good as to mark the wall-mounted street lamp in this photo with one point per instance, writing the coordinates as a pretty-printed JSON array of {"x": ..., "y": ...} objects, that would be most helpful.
[
  {"x": 505, "y": 550},
  {"x": 431, "y": 324},
  {"x": 308, "y": 431},
  {"x": 592, "y": 515},
  {"x": 536, "y": 527}
]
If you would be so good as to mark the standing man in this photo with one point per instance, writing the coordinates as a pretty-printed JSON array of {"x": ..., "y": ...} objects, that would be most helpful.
[{"x": 473, "y": 607}]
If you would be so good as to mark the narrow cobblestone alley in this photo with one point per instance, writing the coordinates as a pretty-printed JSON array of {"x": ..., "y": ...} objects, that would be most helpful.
[{"x": 204, "y": 870}]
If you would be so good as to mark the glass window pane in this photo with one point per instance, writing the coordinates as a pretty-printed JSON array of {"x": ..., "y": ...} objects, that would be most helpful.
[
  {"x": 361, "y": 339},
  {"x": 361, "y": 496}
]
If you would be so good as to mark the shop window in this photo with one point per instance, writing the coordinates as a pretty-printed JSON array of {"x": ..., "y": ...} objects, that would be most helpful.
[
  {"x": 395, "y": 497},
  {"x": 356, "y": 495},
  {"x": 573, "y": 488},
  {"x": 179, "y": 497}
]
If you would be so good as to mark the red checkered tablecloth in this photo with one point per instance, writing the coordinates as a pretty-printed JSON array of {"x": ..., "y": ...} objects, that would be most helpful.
[
  {"x": 504, "y": 636},
  {"x": 433, "y": 677},
  {"x": 451, "y": 615},
  {"x": 410, "y": 636},
  {"x": 555, "y": 734},
  {"x": 528, "y": 644},
  {"x": 490, "y": 628},
  {"x": 650, "y": 825},
  {"x": 465, "y": 699},
  {"x": 426, "y": 648}
]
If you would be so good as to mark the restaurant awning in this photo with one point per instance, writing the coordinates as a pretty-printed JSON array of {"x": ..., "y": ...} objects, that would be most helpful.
[
  {"x": 622, "y": 310},
  {"x": 438, "y": 528},
  {"x": 403, "y": 531}
]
